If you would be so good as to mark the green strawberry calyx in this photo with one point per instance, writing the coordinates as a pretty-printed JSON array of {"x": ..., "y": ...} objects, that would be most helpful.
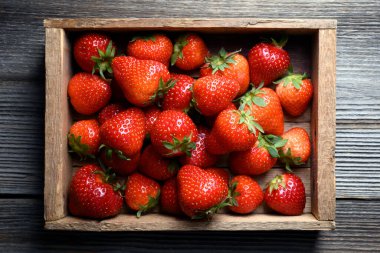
[
  {"x": 76, "y": 146},
  {"x": 173, "y": 166},
  {"x": 275, "y": 183},
  {"x": 288, "y": 159},
  {"x": 207, "y": 214},
  {"x": 110, "y": 151},
  {"x": 103, "y": 62},
  {"x": 293, "y": 79},
  {"x": 247, "y": 119},
  {"x": 281, "y": 43},
  {"x": 152, "y": 202},
  {"x": 108, "y": 176},
  {"x": 149, "y": 37},
  {"x": 221, "y": 61},
  {"x": 252, "y": 97},
  {"x": 271, "y": 143},
  {"x": 232, "y": 194},
  {"x": 178, "y": 146},
  {"x": 177, "y": 50},
  {"x": 163, "y": 88}
]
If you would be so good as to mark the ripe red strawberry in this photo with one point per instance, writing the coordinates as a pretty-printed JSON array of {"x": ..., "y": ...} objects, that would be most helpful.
[
  {"x": 94, "y": 52},
  {"x": 84, "y": 138},
  {"x": 169, "y": 198},
  {"x": 231, "y": 65},
  {"x": 120, "y": 164},
  {"x": 199, "y": 156},
  {"x": 189, "y": 52},
  {"x": 221, "y": 172},
  {"x": 259, "y": 158},
  {"x": 286, "y": 194},
  {"x": 88, "y": 93},
  {"x": 297, "y": 149},
  {"x": 141, "y": 193},
  {"x": 211, "y": 119},
  {"x": 235, "y": 130},
  {"x": 201, "y": 193},
  {"x": 267, "y": 62},
  {"x": 108, "y": 112},
  {"x": 157, "y": 47},
  {"x": 91, "y": 196},
  {"x": 295, "y": 93},
  {"x": 212, "y": 94},
  {"x": 125, "y": 132},
  {"x": 140, "y": 80},
  {"x": 265, "y": 107},
  {"x": 174, "y": 134},
  {"x": 179, "y": 96},
  {"x": 151, "y": 115},
  {"x": 214, "y": 146},
  {"x": 153, "y": 165},
  {"x": 246, "y": 195}
]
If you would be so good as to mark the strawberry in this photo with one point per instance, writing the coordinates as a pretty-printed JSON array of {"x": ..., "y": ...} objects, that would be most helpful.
[
  {"x": 231, "y": 65},
  {"x": 157, "y": 47},
  {"x": 125, "y": 132},
  {"x": 201, "y": 193},
  {"x": 286, "y": 194},
  {"x": 235, "y": 130},
  {"x": 212, "y": 94},
  {"x": 153, "y": 165},
  {"x": 179, "y": 96},
  {"x": 221, "y": 172},
  {"x": 120, "y": 164},
  {"x": 108, "y": 112},
  {"x": 92, "y": 196},
  {"x": 151, "y": 115},
  {"x": 267, "y": 62},
  {"x": 246, "y": 195},
  {"x": 141, "y": 193},
  {"x": 94, "y": 52},
  {"x": 84, "y": 138},
  {"x": 259, "y": 158},
  {"x": 295, "y": 93},
  {"x": 174, "y": 134},
  {"x": 264, "y": 105},
  {"x": 211, "y": 119},
  {"x": 189, "y": 52},
  {"x": 297, "y": 149},
  {"x": 140, "y": 80},
  {"x": 169, "y": 197},
  {"x": 88, "y": 93},
  {"x": 199, "y": 156}
]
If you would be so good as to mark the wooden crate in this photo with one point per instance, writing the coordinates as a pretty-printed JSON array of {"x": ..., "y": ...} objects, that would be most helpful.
[{"x": 312, "y": 48}]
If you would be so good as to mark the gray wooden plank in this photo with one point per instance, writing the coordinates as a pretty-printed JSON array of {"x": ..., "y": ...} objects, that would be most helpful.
[{"x": 21, "y": 230}]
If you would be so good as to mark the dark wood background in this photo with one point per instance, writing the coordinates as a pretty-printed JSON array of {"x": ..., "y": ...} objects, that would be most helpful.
[{"x": 22, "y": 134}]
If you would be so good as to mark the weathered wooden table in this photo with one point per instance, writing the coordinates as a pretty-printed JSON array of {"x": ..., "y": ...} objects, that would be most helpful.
[{"x": 22, "y": 113}]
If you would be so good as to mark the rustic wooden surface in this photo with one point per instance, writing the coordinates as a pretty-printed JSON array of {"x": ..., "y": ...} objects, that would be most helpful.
[{"x": 22, "y": 128}]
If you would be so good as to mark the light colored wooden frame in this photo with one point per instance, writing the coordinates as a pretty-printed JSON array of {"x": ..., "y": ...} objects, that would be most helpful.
[{"x": 57, "y": 122}]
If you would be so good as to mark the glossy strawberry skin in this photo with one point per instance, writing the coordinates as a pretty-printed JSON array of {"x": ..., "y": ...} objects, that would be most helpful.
[
  {"x": 293, "y": 100},
  {"x": 90, "y": 197},
  {"x": 151, "y": 115},
  {"x": 139, "y": 79},
  {"x": 267, "y": 63},
  {"x": 214, "y": 145},
  {"x": 153, "y": 165},
  {"x": 119, "y": 166},
  {"x": 172, "y": 124},
  {"x": 89, "y": 132},
  {"x": 179, "y": 96},
  {"x": 199, "y": 190},
  {"x": 270, "y": 117},
  {"x": 138, "y": 190},
  {"x": 193, "y": 53},
  {"x": 290, "y": 200},
  {"x": 252, "y": 162},
  {"x": 87, "y": 46},
  {"x": 125, "y": 131},
  {"x": 212, "y": 94},
  {"x": 221, "y": 172},
  {"x": 156, "y": 47},
  {"x": 250, "y": 195},
  {"x": 108, "y": 112},
  {"x": 88, "y": 93},
  {"x": 199, "y": 156},
  {"x": 210, "y": 120},
  {"x": 298, "y": 143},
  {"x": 169, "y": 198},
  {"x": 238, "y": 71}
]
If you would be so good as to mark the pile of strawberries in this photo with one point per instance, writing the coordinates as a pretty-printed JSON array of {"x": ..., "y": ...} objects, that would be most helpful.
[{"x": 166, "y": 139}]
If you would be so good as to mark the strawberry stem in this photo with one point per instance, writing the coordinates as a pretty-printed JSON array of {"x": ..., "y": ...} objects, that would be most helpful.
[{"x": 103, "y": 62}]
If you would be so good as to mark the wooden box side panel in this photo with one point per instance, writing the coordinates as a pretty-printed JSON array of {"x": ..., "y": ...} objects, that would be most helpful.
[
  {"x": 57, "y": 122},
  {"x": 323, "y": 126}
]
